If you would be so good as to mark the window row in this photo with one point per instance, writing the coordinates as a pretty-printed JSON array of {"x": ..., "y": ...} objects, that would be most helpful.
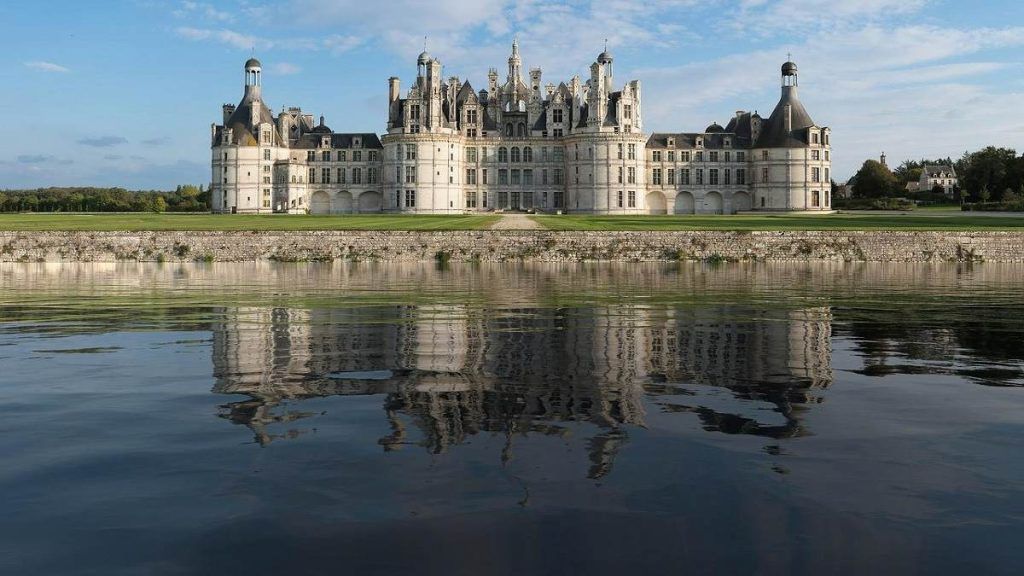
[
  {"x": 340, "y": 155},
  {"x": 343, "y": 176}
]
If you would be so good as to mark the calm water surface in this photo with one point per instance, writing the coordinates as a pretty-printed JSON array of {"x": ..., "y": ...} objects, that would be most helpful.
[{"x": 511, "y": 419}]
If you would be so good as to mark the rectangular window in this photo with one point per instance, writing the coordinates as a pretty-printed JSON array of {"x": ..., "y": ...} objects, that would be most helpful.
[
  {"x": 556, "y": 115},
  {"x": 559, "y": 199},
  {"x": 410, "y": 174},
  {"x": 827, "y": 179},
  {"x": 471, "y": 176},
  {"x": 483, "y": 180},
  {"x": 357, "y": 175},
  {"x": 414, "y": 113},
  {"x": 632, "y": 198},
  {"x": 712, "y": 156},
  {"x": 764, "y": 155},
  {"x": 656, "y": 156},
  {"x": 815, "y": 174},
  {"x": 325, "y": 156},
  {"x": 698, "y": 156},
  {"x": 357, "y": 156},
  {"x": 700, "y": 176},
  {"x": 559, "y": 133},
  {"x": 471, "y": 155},
  {"x": 620, "y": 174},
  {"x": 544, "y": 176},
  {"x": 341, "y": 176},
  {"x": 326, "y": 175},
  {"x": 620, "y": 198},
  {"x": 528, "y": 177},
  {"x": 728, "y": 156},
  {"x": 266, "y": 154},
  {"x": 631, "y": 174},
  {"x": 410, "y": 152},
  {"x": 684, "y": 176},
  {"x": 815, "y": 199},
  {"x": 503, "y": 177},
  {"x": 559, "y": 153},
  {"x": 312, "y": 175},
  {"x": 310, "y": 155},
  {"x": 627, "y": 111},
  {"x": 557, "y": 176},
  {"x": 471, "y": 116},
  {"x": 632, "y": 151},
  {"x": 727, "y": 177},
  {"x": 741, "y": 156},
  {"x": 815, "y": 154},
  {"x": 656, "y": 176},
  {"x": 713, "y": 176},
  {"x": 410, "y": 198},
  {"x": 764, "y": 175},
  {"x": 620, "y": 152},
  {"x": 516, "y": 178},
  {"x": 741, "y": 176},
  {"x": 671, "y": 175},
  {"x": 341, "y": 155}
]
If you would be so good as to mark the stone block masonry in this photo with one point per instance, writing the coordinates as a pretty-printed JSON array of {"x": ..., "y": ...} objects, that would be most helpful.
[{"x": 502, "y": 246}]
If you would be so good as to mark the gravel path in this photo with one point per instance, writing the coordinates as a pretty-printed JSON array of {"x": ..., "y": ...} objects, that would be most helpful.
[{"x": 516, "y": 222}]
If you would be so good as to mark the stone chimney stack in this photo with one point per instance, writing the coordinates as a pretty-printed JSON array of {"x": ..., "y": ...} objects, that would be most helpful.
[{"x": 394, "y": 89}]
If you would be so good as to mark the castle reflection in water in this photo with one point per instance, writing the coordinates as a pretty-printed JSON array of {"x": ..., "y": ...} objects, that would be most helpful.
[{"x": 453, "y": 371}]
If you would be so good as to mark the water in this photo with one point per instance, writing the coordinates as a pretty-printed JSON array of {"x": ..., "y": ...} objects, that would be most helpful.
[{"x": 511, "y": 419}]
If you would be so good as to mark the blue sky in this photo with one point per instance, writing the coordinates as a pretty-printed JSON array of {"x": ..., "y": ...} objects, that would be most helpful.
[{"x": 123, "y": 93}]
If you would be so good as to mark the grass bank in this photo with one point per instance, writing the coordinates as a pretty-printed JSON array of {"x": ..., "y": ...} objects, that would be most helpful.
[
  {"x": 236, "y": 222},
  {"x": 936, "y": 221}
]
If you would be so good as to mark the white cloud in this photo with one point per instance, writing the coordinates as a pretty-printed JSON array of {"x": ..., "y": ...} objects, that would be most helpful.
[
  {"x": 224, "y": 36},
  {"x": 285, "y": 69},
  {"x": 207, "y": 11},
  {"x": 47, "y": 66}
]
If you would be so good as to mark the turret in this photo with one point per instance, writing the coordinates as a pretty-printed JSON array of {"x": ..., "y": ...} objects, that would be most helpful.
[
  {"x": 253, "y": 78},
  {"x": 515, "y": 63}
]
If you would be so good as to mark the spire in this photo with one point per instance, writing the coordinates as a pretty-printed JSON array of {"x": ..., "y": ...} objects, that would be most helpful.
[{"x": 515, "y": 63}]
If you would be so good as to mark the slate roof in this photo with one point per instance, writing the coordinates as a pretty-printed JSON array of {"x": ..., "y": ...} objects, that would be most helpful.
[
  {"x": 688, "y": 141},
  {"x": 773, "y": 132},
  {"x": 933, "y": 170},
  {"x": 239, "y": 121}
]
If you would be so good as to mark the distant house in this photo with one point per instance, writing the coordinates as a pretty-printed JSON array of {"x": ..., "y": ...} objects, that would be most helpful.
[
  {"x": 912, "y": 187},
  {"x": 938, "y": 175}
]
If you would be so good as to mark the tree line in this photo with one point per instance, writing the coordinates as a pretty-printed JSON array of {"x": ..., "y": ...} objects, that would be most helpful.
[
  {"x": 186, "y": 198},
  {"x": 989, "y": 176}
]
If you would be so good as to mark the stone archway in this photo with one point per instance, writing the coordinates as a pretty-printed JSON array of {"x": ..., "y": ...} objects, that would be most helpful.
[
  {"x": 713, "y": 203},
  {"x": 684, "y": 203},
  {"x": 370, "y": 202},
  {"x": 320, "y": 203},
  {"x": 656, "y": 203},
  {"x": 741, "y": 202},
  {"x": 343, "y": 202}
]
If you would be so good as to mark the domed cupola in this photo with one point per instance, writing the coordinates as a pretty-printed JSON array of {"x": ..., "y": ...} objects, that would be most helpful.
[
  {"x": 322, "y": 128},
  {"x": 715, "y": 128},
  {"x": 788, "y": 124}
]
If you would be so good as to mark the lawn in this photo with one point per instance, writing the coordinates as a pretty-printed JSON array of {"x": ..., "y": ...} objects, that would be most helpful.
[
  {"x": 217, "y": 222},
  {"x": 773, "y": 222}
]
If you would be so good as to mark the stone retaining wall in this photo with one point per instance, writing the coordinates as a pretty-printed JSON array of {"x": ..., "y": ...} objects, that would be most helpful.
[{"x": 496, "y": 246}]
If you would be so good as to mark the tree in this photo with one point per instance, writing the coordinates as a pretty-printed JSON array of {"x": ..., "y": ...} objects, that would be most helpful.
[
  {"x": 159, "y": 205},
  {"x": 990, "y": 171},
  {"x": 874, "y": 181}
]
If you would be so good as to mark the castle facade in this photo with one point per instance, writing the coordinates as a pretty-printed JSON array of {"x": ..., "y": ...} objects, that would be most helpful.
[{"x": 519, "y": 144}]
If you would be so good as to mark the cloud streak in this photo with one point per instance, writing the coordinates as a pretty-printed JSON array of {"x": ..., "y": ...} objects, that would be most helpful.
[
  {"x": 103, "y": 141},
  {"x": 44, "y": 66}
]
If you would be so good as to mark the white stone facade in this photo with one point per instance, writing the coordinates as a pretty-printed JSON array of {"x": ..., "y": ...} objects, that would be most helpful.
[{"x": 518, "y": 145}]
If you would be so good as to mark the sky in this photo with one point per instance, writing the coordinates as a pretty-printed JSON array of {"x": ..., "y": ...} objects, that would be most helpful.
[{"x": 122, "y": 93}]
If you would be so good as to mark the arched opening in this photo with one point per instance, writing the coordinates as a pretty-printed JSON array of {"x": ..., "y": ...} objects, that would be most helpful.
[
  {"x": 713, "y": 203},
  {"x": 684, "y": 203},
  {"x": 741, "y": 202},
  {"x": 521, "y": 131},
  {"x": 508, "y": 130},
  {"x": 656, "y": 203},
  {"x": 370, "y": 202},
  {"x": 343, "y": 202},
  {"x": 320, "y": 203}
]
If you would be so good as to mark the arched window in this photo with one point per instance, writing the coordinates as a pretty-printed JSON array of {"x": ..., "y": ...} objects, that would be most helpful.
[
  {"x": 527, "y": 154},
  {"x": 522, "y": 130},
  {"x": 515, "y": 154},
  {"x": 508, "y": 130},
  {"x": 502, "y": 154}
]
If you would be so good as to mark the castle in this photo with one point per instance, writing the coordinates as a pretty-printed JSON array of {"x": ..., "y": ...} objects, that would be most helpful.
[{"x": 518, "y": 145}]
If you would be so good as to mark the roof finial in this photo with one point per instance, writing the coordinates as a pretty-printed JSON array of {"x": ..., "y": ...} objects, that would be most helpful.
[
  {"x": 789, "y": 56},
  {"x": 605, "y": 44},
  {"x": 424, "y": 43}
]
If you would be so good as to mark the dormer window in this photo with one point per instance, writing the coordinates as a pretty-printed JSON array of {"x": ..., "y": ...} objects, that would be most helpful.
[
  {"x": 325, "y": 142},
  {"x": 671, "y": 142},
  {"x": 357, "y": 142},
  {"x": 700, "y": 142},
  {"x": 728, "y": 143}
]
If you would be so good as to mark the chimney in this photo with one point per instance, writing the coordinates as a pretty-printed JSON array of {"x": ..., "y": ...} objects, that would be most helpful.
[
  {"x": 393, "y": 89},
  {"x": 229, "y": 109}
]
